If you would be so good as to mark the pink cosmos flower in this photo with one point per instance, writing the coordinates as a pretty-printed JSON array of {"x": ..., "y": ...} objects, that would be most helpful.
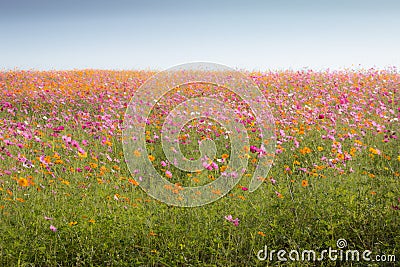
[
  {"x": 53, "y": 228},
  {"x": 228, "y": 218},
  {"x": 58, "y": 129},
  {"x": 66, "y": 139},
  {"x": 80, "y": 150},
  {"x": 214, "y": 165},
  {"x": 74, "y": 143}
]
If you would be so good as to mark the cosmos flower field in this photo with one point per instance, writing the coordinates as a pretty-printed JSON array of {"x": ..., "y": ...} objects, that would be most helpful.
[{"x": 67, "y": 197}]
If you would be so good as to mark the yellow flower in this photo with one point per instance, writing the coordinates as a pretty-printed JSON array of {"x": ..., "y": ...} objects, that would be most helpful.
[
  {"x": 72, "y": 223},
  {"x": 304, "y": 183},
  {"x": 65, "y": 182},
  {"x": 340, "y": 156},
  {"x": 398, "y": 158},
  {"x": 320, "y": 148},
  {"x": 82, "y": 155},
  {"x": 133, "y": 182},
  {"x": 305, "y": 150},
  {"x": 152, "y": 233},
  {"x": 261, "y": 233},
  {"x": 92, "y": 221},
  {"x": 241, "y": 197},
  {"x": 373, "y": 151},
  {"x": 23, "y": 182},
  {"x": 93, "y": 165},
  {"x": 152, "y": 158}
]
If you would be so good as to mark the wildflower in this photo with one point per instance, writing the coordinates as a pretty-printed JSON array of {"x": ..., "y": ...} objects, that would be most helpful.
[
  {"x": 82, "y": 154},
  {"x": 305, "y": 150},
  {"x": 168, "y": 174},
  {"x": 261, "y": 233},
  {"x": 53, "y": 228},
  {"x": 72, "y": 223},
  {"x": 374, "y": 151},
  {"x": 152, "y": 233},
  {"x": 48, "y": 218},
  {"x": 23, "y": 182},
  {"x": 151, "y": 157},
  {"x": 253, "y": 149},
  {"x": 225, "y": 156},
  {"x": 214, "y": 165},
  {"x": 273, "y": 181},
  {"x": 93, "y": 165},
  {"x": 244, "y": 188},
  {"x": 223, "y": 168},
  {"x": 279, "y": 195},
  {"x": 304, "y": 183},
  {"x": 65, "y": 182},
  {"x": 228, "y": 218},
  {"x": 133, "y": 182},
  {"x": 58, "y": 129}
]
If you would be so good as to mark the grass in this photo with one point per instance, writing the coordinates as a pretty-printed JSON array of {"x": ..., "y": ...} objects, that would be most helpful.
[{"x": 104, "y": 219}]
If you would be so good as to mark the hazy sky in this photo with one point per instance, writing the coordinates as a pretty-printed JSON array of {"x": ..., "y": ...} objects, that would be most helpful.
[{"x": 51, "y": 34}]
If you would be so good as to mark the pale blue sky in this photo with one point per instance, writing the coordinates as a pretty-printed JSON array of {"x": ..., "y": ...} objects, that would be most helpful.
[{"x": 51, "y": 34}]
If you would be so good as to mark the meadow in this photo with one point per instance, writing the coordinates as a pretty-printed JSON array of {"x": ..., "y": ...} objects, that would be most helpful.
[{"x": 68, "y": 199}]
